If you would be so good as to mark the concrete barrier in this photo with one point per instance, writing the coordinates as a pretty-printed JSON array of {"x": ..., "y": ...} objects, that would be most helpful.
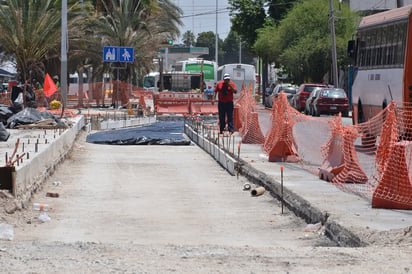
[
  {"x": 222, "y": 157},
  {"x": 52, "y": 149}
]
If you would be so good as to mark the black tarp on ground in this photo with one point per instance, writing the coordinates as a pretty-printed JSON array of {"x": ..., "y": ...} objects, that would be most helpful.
[
  {"x": 159, "y": 133},
  {"x": 4, "y": 134},
  {"x": 5, "y": 113},
  {"x": 29, "y": 116}
]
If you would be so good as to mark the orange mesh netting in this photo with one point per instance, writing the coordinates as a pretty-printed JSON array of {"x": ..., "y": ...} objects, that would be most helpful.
[
  {"x": 294, "y": 136},
  {"x": 351, "y": 172},
  {"x": 371, "y": 159},
  {"x": 246, "y": 117},
  {"x": 94, "y": 94},
  {"x": 332, "y": 152},
  {"x": 393, "y": 160}
]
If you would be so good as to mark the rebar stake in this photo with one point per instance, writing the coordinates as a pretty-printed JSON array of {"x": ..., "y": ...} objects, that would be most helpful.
[
  {"x": 281, "y": 186},
  {"x": 238, "y": 160}
]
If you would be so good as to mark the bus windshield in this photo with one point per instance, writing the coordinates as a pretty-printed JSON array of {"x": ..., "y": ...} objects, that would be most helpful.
[{"x": 149, "y": 82}]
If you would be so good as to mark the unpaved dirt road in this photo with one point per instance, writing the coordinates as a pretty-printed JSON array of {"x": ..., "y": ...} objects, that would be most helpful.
[{"x": 162, "y": 209}]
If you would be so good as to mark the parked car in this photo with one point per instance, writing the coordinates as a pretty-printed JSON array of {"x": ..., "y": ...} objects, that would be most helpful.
[
  {"x": 309, "y": 101},
  {"x": 299, "y": 100},
  {"x": 331, "y": 101},
  {"x": 290, "y": 92},
  {"x": 276, "y": 90}
]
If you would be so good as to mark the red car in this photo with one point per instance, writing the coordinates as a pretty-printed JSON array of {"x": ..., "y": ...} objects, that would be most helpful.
[
  {"x": 331, "y": 101},
  {"x": 299, "y": 100}
]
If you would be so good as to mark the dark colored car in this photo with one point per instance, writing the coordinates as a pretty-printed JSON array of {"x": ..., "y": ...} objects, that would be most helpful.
[
  {"x": 299, "y": 100},
  {"x": 331, "y": 101}
]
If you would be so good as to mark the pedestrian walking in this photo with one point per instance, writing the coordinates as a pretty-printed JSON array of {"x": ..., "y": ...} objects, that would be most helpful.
[{"x": 225, "y": 90}]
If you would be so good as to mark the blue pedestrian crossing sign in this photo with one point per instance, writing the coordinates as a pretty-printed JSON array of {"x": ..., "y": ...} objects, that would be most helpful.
[
  {"x": 110, "y": 54},
  {"x": 126, "y": 54},
  {"x": 118, "y": 54}
]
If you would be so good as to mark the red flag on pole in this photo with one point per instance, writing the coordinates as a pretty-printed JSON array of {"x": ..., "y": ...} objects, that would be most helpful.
[{"x": 49, "y": 86}]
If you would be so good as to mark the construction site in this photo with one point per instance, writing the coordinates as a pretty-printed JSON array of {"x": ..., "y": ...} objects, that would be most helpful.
[{"x": 339, "y": 191}]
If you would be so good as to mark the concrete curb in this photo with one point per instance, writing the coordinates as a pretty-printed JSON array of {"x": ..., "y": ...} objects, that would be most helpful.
[
  {"x": 301, "y": 207},
  {"x": 224, "y": 159},
  {"x": 30, "y": 176}
]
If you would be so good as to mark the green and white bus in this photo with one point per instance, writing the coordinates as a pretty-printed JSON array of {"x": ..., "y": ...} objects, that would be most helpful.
[{"x": 197, "y": 66}]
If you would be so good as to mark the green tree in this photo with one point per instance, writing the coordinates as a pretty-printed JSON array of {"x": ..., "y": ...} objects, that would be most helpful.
[
  {"x": 30, "y": 31},
  {"x": 143, "y": 25},
  {"x": 231, "y": 49},
  {"x": 302, "y": 41},
  {"x": 278, "y": 9},
  {"x": 188, "y": 38},
  {"x": 247, "y": 17},
  {"x": 208, "y": 40}
]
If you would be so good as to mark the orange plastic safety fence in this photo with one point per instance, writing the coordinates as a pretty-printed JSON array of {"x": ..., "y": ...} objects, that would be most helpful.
[
  {"x": 295, "y": 137},
  {"x": 93, "y": 94},
  {"x": 246, "y": 118},
  {"x": 371, "y": 159}
]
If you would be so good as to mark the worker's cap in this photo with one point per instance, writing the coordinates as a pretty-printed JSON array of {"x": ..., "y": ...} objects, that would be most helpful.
[
  {"x": 226, "y": 76},
  {"x": 56, "y": 77},
  {"x": 209, "y": 86}
]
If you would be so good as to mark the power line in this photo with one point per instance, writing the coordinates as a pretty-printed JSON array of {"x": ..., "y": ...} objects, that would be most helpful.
[{"x": 205, "y": 13}]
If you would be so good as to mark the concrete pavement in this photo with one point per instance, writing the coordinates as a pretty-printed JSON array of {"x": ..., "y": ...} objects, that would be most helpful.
[{"x": 349, "y": 219}]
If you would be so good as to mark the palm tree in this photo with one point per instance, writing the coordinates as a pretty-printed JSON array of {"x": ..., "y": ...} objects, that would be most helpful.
[
  {"x": 143, "y": 25},
  {"x": 30, "y": 31}
]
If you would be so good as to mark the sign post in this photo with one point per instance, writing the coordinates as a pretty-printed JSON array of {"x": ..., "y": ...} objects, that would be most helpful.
[{"x": 115, "y": 54}]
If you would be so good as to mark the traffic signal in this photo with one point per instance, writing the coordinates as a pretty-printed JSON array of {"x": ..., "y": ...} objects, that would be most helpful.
[{"x": 167, "y": 43}]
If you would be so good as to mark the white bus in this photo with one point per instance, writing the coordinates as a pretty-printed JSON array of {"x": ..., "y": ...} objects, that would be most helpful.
[
  {"x": 239, "y": 73},
  {"x": 73, "y": 87},
  {"x": 383, "y": 62},
  {"x": 150, "y": 81}
]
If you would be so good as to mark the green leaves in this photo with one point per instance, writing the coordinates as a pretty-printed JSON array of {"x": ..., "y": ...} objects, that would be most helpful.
[{"x": 302, "y": 41}]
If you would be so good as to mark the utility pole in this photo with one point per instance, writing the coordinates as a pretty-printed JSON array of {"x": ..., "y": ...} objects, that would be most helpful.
[
  {"x": 63, "y": 64},
  {"x": 216, "y": 42},
  {"x": 240, "y": 50},
  {"x": 334, "y": 59}
]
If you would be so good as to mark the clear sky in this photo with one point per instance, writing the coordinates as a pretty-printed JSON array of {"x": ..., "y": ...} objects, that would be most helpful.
[{"x": 200, "y": 16}]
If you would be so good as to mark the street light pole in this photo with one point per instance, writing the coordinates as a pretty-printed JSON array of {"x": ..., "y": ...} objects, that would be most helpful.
[
  {"x": 332, "y": 32},
  {"x": 240, "y": 50},
  {"x": 63, "y": 64},
  {"x": 216, "y": 38}
]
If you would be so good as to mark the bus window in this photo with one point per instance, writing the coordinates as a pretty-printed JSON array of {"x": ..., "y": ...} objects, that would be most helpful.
[{"x": 149, "y": 82}]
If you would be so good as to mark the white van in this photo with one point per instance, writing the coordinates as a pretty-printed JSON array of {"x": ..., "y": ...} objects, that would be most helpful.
[
  {"x": 239, "y": 73},
  {"x": 74, "y": 84}
]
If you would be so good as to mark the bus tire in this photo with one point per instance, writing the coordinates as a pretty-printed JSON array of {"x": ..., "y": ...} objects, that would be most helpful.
[
  {"x": 361, "y": 116},
  {"x": 384, "y": 104}
]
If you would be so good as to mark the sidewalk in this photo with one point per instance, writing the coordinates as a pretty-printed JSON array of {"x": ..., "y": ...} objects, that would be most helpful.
[{"x": 349, "y": 219}]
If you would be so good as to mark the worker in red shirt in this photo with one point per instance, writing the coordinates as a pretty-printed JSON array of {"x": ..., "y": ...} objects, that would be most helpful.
[{"x": 225, "y": 90}]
